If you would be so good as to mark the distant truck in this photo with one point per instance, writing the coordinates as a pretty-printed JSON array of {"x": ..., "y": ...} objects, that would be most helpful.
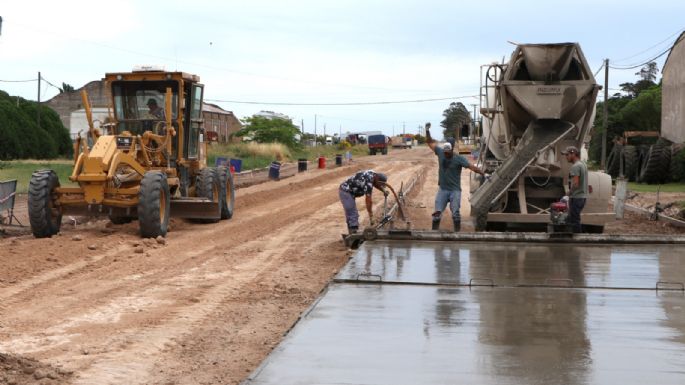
[
  {"x": 378, "y": 143},
  {"x": 401, "y": 141}
]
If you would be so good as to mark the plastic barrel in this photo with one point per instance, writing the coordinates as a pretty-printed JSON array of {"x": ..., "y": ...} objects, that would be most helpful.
[
  {"x": 322, "y": 162},
  {"x": 338, "y": 159},
  {"x": 274, "y": 170},
  {"x": 301, "y": 165},
  {"x": 237, "y": 164},
  {"x": 220, "y": 161}
]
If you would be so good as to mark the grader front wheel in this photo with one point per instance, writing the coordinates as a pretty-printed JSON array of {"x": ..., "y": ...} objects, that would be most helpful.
[
  {"x": 45, "y": 217},
  {"x": 153, "y": 205}
]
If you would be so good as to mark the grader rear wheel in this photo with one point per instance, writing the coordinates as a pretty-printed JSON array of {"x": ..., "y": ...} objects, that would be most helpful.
[
  {"x": 227, "y": 192},
  {"x": 153, "y": 205},
  {"x": 44, "y": 215},
  {"x": 208, "y": 186}
]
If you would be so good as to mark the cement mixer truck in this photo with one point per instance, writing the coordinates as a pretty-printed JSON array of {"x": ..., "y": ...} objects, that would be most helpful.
[{"x": 533, "y": 107}]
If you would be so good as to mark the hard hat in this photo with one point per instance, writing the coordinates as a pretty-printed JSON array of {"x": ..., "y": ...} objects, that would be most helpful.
[
  {"x": 571, "y": 150},
  {"x": 447, "y": 146}
]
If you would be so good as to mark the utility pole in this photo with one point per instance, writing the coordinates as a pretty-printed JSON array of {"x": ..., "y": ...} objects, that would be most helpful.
[
  {"x": 473, "y": 132},
  {"x": 38, "y": 107},
  {"x": 314, "y": 130},
  {"x": 403, "y": 129},
  {"x": 302, "y": 126},
  {"x": 605, "y": 121}
]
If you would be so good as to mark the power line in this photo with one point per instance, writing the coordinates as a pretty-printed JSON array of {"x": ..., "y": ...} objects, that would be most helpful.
[
  {"x": 342, "y": 103},
  {"x": 19, "y": 81},
  {"x": 599, "y": 69},
  {"x": 655, "y": 45},
  {"x": 643, "y": 63},
  {"x": 647, "y": 61}
]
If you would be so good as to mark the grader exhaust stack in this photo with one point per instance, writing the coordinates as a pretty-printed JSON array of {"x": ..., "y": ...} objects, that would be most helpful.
[{"x": 540, "y": 102}]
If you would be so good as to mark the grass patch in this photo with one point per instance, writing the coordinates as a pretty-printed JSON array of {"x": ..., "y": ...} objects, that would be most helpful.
[
  {"x": 21, "y": 170},
  {"x": 669, "y": 187}
]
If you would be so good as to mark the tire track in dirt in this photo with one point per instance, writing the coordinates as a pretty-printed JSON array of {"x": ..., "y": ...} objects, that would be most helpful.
[{"x": 120, "y": 312}]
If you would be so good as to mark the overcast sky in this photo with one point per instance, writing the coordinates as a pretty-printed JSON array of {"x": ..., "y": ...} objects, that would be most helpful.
[{"x": 322, "y": 51}]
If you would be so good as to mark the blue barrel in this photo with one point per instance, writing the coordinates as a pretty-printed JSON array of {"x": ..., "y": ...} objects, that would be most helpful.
[
  {"x": 237, "y": 164},
  {"x": 274, "y": 170},
  {"x": 338, "y": 159},
  {"x": 220, "y": 161}
]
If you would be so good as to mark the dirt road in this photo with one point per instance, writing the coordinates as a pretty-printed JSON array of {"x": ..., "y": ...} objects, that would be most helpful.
[{"x": 98, "y": 305}]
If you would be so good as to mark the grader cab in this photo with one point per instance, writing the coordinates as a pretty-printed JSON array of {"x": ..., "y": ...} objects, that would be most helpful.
[{"x": 147, "y": 162}]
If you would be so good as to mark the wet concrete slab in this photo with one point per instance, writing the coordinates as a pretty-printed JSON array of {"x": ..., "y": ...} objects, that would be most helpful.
[
  {"x": 404, "y": 334},
  {"x": 512, "y": 264}
]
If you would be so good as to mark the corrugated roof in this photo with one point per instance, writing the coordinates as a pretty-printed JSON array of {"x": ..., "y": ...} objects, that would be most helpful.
[{"x": 209, "y": 107}]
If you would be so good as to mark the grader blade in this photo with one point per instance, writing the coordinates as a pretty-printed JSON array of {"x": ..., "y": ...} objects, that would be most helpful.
[{"x": 195, "y": 208}]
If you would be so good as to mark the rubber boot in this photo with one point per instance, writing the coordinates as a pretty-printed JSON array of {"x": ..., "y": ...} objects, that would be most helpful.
[
  {"x": 436, "y": 220},
  {"x": 457, "y": 226}
]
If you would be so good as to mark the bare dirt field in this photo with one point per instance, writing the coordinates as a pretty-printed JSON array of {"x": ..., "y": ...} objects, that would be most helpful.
[{"x": 98, "y": 305}]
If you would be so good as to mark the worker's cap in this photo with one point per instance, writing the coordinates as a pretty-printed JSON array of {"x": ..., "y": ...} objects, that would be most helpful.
[
  {"x": 571, "y": 150},
  {"x": 151, "y": 102},
  {"x": 447, "y": 146},
  {"x": 381, "y": 177}
]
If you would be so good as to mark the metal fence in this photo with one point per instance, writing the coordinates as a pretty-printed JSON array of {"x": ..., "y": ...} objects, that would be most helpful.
[{"x": 8, "y": 190}]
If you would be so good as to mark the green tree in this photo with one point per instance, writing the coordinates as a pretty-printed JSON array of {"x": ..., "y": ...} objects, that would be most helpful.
[
  {"x": 20, "y": 135},
  {"x": 267, "y": 130},
  {"x": 66, "y": 88},
  {"x": 648, "y": 72},
  {"x": 456, "y": 115}
]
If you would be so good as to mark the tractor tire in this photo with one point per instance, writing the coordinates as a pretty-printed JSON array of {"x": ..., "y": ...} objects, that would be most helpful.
[
  {"x": 227, "y": 192},
  {"x": 44, "y": 215},
  {"x": 677, "y": 168},
  {"x": 630, "y": 162},
  {"x": 208, "y": 186},
  {"x": 656, "y": 164},
  {"x": 154, "y": 205},
  {"x": 613, "y": 165},
  {"x": 117, "y": 220}
]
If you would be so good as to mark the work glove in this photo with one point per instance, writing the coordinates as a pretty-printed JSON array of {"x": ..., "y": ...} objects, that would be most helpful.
[{"x": 487, "y": 176}]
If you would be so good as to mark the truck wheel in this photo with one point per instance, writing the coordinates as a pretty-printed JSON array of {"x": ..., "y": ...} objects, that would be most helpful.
[
  {"x": 208, "y": 186},
  {"x": 44, "y": 214},
  {"x": 227, "y": 192},
  {"x": 153, "y": 205}
]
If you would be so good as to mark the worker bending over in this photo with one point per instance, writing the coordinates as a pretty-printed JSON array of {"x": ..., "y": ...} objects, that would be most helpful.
[{"x": 360, "y": 184}]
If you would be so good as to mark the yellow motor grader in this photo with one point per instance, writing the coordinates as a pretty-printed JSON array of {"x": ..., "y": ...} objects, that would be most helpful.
[{"x": 147, "y": 162}]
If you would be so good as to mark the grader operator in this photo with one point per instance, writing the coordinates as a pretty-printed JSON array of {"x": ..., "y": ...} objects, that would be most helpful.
[{"x": 148, "y": 162}]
